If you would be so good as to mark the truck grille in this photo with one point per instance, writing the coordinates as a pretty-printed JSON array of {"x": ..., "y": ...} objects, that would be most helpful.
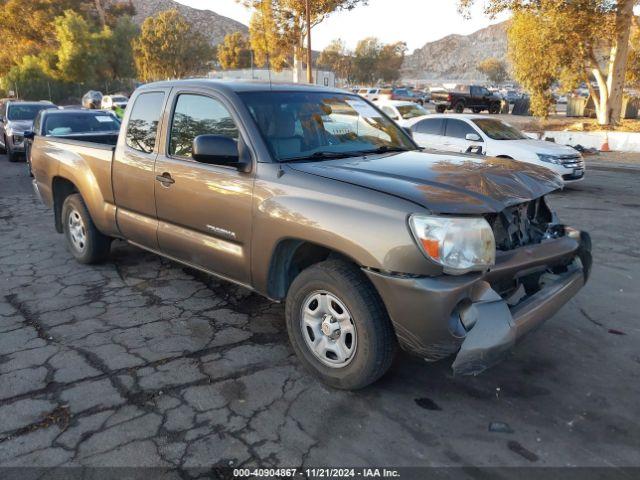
[{"x": 520, "y": 225}]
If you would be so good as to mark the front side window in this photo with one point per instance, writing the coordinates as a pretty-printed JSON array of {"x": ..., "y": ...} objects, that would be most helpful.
[
  {"x": 458, "y": 129},
  {"x": 198, "y": 115},
  {"x": 430, "y": 127},
  {"x": 498, "y": 130},
  {"x": 302, "y": 125},
  {"x": 142, "y": 128}
]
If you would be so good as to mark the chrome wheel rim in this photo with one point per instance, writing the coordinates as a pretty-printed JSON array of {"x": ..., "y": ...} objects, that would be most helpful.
[
  {"x": 328, "y": 329},
  {"x": 77, "y": 231}
]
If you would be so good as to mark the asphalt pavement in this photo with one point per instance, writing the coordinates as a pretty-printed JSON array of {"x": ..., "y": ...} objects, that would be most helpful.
[{"x": 142, "y": 362}]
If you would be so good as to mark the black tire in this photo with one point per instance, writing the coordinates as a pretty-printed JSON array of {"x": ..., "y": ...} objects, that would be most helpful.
[
  {"x": 96, "y": 246},
  {"x": 459, "y": 107},
  {"x": 476, "y": 110},
  {"x": 13, "y": 156},
  {"x": 441, "y": 109},
  {"x": 494, "y": 108},
  {"x": 27, "y": 156},
  {"x": 3, "y": 150},
  {"x": 376, "y": 341}
]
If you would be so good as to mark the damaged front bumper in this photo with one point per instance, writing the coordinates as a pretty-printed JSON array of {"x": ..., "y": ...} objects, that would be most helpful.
[{"x": 481, "y": 316}]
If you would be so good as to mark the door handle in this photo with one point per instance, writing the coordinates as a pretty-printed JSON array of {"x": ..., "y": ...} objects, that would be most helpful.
[{"x": 165, "y": 179}]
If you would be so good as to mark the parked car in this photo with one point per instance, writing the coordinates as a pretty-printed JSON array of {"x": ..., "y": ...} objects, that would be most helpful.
[
  {"x": 16, "y": 117},
  {"x": 109, "y": 102},
  {"x": 92, "y": 100},
  {"x": 404, "y": 113},
  {"x": 495, "y": 138},
  {"x": 474, "y": 97},
  {"x": 371, "y": 94},
  {"x": 369, "y": 241},
  {"x": 95, "y": 126}
]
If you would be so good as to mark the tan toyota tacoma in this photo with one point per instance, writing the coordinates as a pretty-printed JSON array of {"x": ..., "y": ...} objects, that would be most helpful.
[{"x": 315, "y": 197}]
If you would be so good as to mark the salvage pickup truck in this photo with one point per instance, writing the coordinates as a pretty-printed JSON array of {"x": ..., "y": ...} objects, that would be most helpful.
[
  {"x": 475, "y": 97},
  {"x": 371, "y": 242}
]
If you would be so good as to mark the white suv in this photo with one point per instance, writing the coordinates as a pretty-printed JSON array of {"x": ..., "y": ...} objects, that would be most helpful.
[{"x": 495, "y": 138}]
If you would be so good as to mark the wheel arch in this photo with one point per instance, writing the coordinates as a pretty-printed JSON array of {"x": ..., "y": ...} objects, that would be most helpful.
[
  {"x": 61, "y": 188},
  {"x": 290, "y": 257}
]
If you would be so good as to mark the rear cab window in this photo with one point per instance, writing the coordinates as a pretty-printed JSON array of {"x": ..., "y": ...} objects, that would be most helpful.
[{"x": 142, "y": 129}]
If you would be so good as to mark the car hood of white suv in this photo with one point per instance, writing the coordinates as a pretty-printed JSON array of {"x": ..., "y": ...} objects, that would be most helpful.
[{"x": 538, "y": 146}]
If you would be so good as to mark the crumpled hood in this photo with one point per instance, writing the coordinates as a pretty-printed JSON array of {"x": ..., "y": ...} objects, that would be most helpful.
[
  {"x": 442, "y": 183},
  {"x": 20, "y": 125}
]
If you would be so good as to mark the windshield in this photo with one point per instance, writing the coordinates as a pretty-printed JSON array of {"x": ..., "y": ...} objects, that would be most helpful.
[
  {"x": 304, "y": 125},
  {"x": 25, "y": 112},
  {"x": 498, "y": 130},
  {"x": 411, "y": 111},
  {"x": 119, "y": 99},
  {"x": 81, "y": 122}
]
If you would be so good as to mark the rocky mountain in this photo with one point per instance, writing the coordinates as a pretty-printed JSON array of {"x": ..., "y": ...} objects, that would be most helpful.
[
  {"x": 454, "y": 58},
  {"x": 210, "y": 23}
]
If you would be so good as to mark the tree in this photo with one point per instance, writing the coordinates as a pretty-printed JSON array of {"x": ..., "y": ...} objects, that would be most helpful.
[
  {"x": 279, "y": 26},
  {"x": 234, "y": 52},
  {"x": 390, "y": 61},
  {"x": 590, "y": 36},
  {"x": 366, "y": 60},
  {"x": 116, "y": 51},
  {"x": 168, "y": 47},
  {"x": 78, "y": 55},
  {"x": 337, "y": 58},
  {"x": 494, "y": 69}
]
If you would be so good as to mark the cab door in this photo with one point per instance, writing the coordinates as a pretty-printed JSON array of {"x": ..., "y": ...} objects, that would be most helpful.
[
  {"x": 204, "y": 210},
  {"x": 133, "y": 176}
]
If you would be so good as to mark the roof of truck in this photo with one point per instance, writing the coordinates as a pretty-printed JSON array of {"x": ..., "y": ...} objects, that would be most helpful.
[{"x": 244, "y": 86}]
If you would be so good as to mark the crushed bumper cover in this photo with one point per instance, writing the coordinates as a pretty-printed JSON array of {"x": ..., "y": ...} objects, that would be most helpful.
[{"x": 437, "y": 317}]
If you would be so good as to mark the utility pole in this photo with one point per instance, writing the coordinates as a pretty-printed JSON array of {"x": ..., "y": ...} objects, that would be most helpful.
[{"x": 308, "y": 15}]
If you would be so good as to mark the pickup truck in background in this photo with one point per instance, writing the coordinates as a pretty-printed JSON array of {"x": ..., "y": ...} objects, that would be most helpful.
[
  {"x": 474, "y": 97},
  {"x": 315, "y": 197}
]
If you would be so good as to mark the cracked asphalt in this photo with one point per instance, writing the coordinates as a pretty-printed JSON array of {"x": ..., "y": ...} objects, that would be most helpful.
[{"x": 142, "y": 362}]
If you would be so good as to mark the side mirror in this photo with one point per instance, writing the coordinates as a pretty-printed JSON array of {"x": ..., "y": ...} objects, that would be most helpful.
[
  {"x": 29, "y": 135},
  {"x": 473, "y": 137},
  {"x": 219, "y": 150}
]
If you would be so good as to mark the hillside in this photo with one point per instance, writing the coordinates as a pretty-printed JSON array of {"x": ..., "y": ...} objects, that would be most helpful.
[
  {"x": 455, "y": 57},
  {"x": 210, "y": 23}
]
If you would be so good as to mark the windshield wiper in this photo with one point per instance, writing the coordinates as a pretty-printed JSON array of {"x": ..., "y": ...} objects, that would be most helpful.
[
  {"x": 326, "y": 155},
  {"x": 318, "y": 156}
]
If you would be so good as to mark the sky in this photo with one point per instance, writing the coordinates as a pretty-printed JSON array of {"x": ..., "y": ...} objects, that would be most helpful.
[{"x": 415, "y": 22}]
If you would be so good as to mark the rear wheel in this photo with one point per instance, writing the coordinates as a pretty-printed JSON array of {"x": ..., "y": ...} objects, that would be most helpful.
[
  {"x": 338, "y": 326},
  {"x": 85, "y": 242},
  {"x": 459, "y": 107}
]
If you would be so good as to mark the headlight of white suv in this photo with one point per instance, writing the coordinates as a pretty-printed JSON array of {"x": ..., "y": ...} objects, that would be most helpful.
[{"x": 459, "y": 244}]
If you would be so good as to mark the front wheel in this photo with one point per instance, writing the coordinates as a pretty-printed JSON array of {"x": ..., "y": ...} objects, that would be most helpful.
[
  {"x": 338, "y": 325},
  {"x": 86, "y": 243},
  {"x": 13, "y": 156}
]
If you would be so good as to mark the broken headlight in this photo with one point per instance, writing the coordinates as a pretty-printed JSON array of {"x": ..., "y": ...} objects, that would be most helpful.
[{"x": 459, "y": 244}]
